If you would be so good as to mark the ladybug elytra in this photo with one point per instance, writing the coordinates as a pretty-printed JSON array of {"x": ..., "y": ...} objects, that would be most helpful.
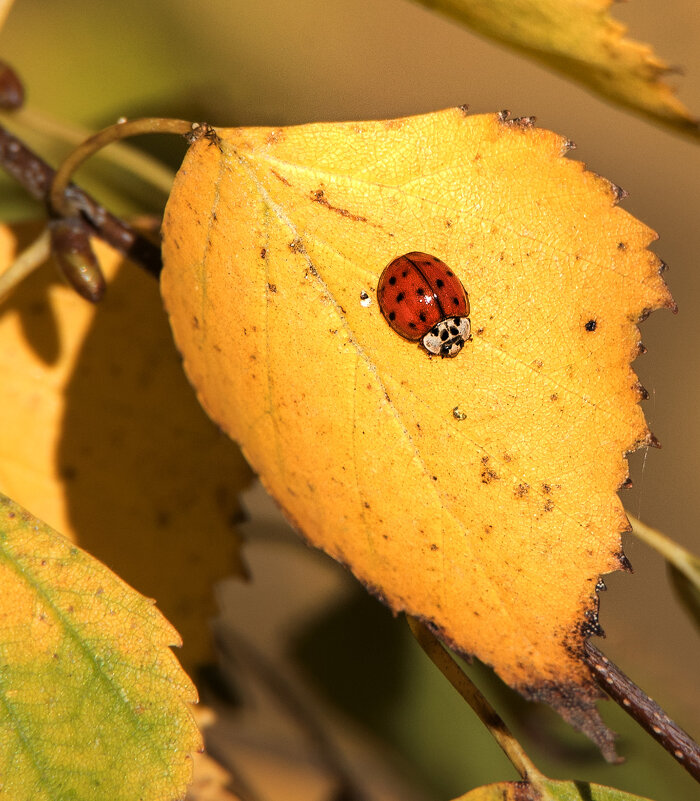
[{"x": 423, "y": 300}]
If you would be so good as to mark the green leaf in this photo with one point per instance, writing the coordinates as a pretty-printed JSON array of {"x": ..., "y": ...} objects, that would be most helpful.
[
  {"x": 579, "y": 39},
  {"x": 550, "y": 791},
  {"x": 93, "y": 703}
]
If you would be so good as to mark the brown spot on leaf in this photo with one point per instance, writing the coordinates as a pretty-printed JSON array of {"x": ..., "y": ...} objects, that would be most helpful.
[
  {"x": 280, "y": 177},
  {"x": 488, "y": 475},
  {"x": 521, "y": 490},
  {"x": 319, "y": 196}
]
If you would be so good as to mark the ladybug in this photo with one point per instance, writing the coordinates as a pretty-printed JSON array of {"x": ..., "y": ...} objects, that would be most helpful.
[{"x": 423, "y": 300}]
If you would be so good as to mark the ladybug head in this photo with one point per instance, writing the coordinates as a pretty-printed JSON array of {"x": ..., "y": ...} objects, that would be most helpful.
[{"x": 447, "y": 338}]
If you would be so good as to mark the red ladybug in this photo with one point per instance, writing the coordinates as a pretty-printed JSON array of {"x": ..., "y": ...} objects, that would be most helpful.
[{"x": 422, "y": 299}]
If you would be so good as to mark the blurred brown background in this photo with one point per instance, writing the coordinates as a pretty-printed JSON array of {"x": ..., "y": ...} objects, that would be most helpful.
[{"x": 278, "y": 62}]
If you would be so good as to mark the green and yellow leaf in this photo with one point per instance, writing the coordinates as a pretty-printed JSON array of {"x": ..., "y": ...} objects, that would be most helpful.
[
  {"x": 579, "y": 39},
  {"x": 93, "y": 703}
]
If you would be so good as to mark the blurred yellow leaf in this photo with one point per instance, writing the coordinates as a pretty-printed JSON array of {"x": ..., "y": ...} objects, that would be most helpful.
[
  {"x": 477, "y": 493},
  {"x": 102, "y": 439},
  {"x": 94, "y": 701},
  {"x": 579, "y": 39},
  {"x": 550, "y": 791}
]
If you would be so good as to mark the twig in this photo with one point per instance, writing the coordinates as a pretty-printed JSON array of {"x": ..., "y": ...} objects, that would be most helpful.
[
  {"x": 472, "y": 695},
  {"x": 644, "y": 710},
  {"x": 35, "y": 175},
  {"x": 346, "y": 786}
]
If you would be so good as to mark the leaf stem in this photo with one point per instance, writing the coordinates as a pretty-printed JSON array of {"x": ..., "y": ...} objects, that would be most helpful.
[
  {"x": 27, "y": 261},
  {"x": 644, "y": 710},
  {"x": 122, "y": 155},
  {"x": 473, "y": 696},
  {"x": 676, "y": 554},
  {"x": 58, "y": 197}
]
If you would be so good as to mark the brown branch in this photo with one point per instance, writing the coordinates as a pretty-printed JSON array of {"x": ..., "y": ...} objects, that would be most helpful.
[
  {"x": 644, "y": 710},
  {"x": 238, "y": 648},
  {"x": 36, "y": 176}
]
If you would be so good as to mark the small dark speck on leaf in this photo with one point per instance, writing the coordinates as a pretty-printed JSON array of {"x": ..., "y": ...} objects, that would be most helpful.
[
  {"x": 591, "y": 325},
  {"x": 272, "y": 288}
]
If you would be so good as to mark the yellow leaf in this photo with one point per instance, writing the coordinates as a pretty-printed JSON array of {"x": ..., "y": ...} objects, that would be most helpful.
[
  {"x": 579, "y": 39},
  {"x": 102, "y": 439},
  {"x": 94, "y": 703},
  {"x": 477, "y": 493}
]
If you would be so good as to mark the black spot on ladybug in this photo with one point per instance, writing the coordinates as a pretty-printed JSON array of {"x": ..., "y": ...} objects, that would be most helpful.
[
  {"x": 420, "y": 291},
  {"x": 591, "y": 325},
  {"x": 392, "y": 315},
  {"x": 392, "y": 280},
  {"x": 404, "y": 273},
  {"x": 456, "y": 320},
  {"x": 400, "y": 297},
  {"x": 454, "y": 331},
  {"x": 422, "y": 317},
  {"x": 450, "y": 273},
  {"x": 455, "y": 301},
  {"x": 443, "y": 335},
  {"x": 411, "y": 325},
  {"x": 440, "y": 283}
]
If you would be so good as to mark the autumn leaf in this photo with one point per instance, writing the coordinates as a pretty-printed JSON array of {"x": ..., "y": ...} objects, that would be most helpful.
[
  {"x": 550, "y": 791},
  {"x": 102, "y": 439},
  {"x": 93, "y": 699},
  {"x": 477, "y": 493},
  {"x": 579, "y": 39}
]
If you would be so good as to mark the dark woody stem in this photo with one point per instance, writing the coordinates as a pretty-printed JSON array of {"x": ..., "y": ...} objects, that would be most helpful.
[
  {"x": 644, "y": 710},
  {"x": 62, "y": 198}
]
